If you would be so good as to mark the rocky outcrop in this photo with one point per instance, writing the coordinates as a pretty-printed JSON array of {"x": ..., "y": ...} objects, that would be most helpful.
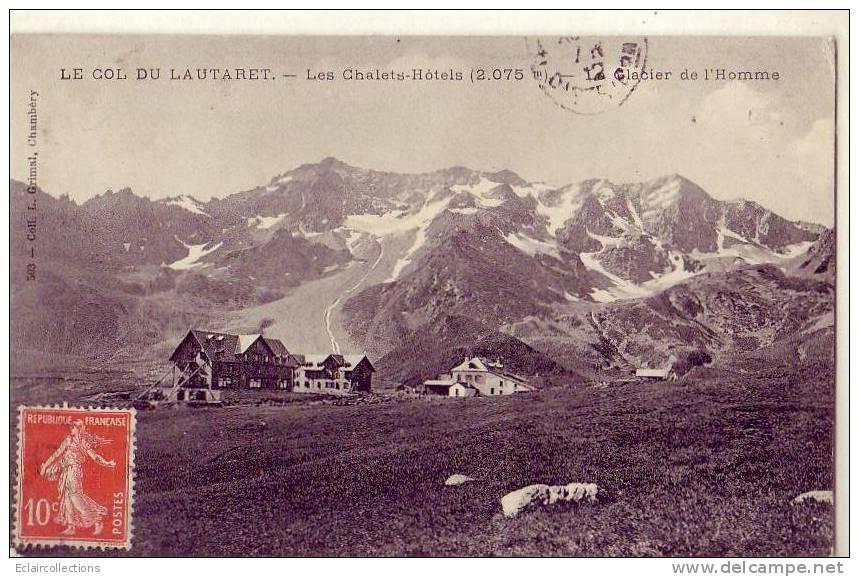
[
  {"x": 814, "y": 496},
  {"x": 544, "y": 495},
  {"x": 458, "y": 479},
  {"x": 819, "y": 260}
]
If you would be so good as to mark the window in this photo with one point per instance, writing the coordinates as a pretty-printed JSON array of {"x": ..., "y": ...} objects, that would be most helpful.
[
  {"x": 255, "y": 383},
  {"x": 456, "y": 391},
  {"x": 491, "y": 391}
]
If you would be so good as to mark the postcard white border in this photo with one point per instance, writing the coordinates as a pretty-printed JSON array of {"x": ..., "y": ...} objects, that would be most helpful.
[{"x": 497, "y": 22}]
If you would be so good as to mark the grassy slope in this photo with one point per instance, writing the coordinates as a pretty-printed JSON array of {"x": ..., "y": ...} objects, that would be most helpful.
[{"x": 703, "y": 469}]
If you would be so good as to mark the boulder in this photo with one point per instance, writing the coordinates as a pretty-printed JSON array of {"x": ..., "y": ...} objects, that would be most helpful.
[
  {"x": 819, "y": 496},
  {"x": 517, "y": 501},
  {"x": 458, "y": 479}
]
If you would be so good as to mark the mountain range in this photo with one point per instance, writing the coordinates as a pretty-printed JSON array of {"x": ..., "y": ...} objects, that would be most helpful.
[{"x": 575, "y": 278}]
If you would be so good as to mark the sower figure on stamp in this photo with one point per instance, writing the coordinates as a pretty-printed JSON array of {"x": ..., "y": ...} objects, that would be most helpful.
[{"x": 76, "y": 508}]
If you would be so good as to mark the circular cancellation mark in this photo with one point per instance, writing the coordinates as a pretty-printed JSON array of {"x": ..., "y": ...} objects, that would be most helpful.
[{"x": 588, "y": 75}]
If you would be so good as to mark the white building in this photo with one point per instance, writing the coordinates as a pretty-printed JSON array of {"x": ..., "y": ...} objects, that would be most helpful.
[
  {"x": 477, "y": 377},
  {"x": 664, "y": 374},
  {"x": 446, "y": 387}
]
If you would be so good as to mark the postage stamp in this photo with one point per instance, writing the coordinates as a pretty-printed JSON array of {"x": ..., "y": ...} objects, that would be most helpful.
[
  {"x": 75, "y": 477},
  {"x": 589, "y": 75}
]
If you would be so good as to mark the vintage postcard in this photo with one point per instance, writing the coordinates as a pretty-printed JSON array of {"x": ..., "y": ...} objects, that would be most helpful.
[{"x": 535, "y": 295}]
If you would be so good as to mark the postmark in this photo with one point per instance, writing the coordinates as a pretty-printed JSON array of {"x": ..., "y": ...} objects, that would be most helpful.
[
  {"x": 75, "y": 483},
  {"x": 588, "y": 75}
]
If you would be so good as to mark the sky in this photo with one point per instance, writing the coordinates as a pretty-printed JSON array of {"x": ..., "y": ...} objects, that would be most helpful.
[{"x": 768, "y": 141}]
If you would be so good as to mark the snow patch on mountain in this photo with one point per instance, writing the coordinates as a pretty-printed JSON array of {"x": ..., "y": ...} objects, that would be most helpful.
[
  {"x": 604, "y": 191},
  {"x": 534, "y": 189},
  {"x": 307, "y": 234},
  {"x": 658, "y": 199},
  {"x": 423, "y": 218},
  {"x": 748, "y": 251},
  {"x": 606, "y": 241},
  {"x": 466, "y": 210},
  {"x": 265, "y": 222},
  {"x": 188, "y": 203},
  {"x": 635, "y": 216},
  {"x": 794, "y": 250},
  {"x": 622, "y": 289},
  {"x": 532, "y": 246},
  {"x": 400, "y": 222},
  {"x": 382, "y": 224},
  {"x": 675, "y": 275},
  {"x": 279, "y": 182},
  {"x": 625, "y": 289},
  {"x": 720, "y": 233},
  {"x": 728, "y": 233},
  {"x": 195, "y": 253},
  {"x": 351, "y": 237},
  {"x": 562, "y": 209},
  {"x": 480, "y": 191}
]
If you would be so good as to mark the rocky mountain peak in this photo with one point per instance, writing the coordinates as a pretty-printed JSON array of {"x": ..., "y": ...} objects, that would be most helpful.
[
  {"x": 112, "y": 198},
  {"x": 507, "y": 177}
]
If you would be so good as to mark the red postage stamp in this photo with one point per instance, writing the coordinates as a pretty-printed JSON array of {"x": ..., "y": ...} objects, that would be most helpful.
[{"x": 75, "y": 477}]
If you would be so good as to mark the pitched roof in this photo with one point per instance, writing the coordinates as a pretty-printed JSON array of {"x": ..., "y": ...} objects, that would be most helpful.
[
  {"x": 510, "y": 376},
  {"x": 346, "y": 361},
  {"x": 314, "y": 359},
  {"x": 280, "y": 350},
  {"x": 276, "y": 346},
  {"x": 490, "y": 364},
  {"x": 479, "y": 364},
  {"x": 472, "y": 364},
  {"x": 245, "y": 341},
  {"x": 225, "y": 347},
  {"x": 485, "y": 365},
  {"x": 352, "y": 361},
  {"x": 524, "y": 385},
  {"x": 221, "y": 346}
]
